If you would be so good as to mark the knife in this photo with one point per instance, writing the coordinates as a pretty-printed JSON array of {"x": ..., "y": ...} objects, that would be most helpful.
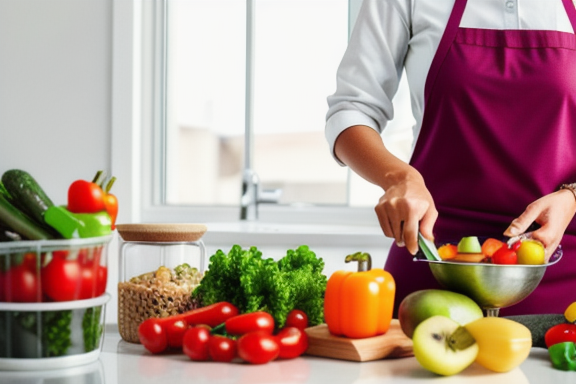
[{"x": 428, "y": 248}]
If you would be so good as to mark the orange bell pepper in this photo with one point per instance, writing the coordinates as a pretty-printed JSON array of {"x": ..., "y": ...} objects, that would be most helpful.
[{"x": 359, "y": 304}]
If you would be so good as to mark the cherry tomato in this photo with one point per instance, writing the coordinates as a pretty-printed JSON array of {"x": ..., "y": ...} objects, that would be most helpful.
[
  {"x": 195, "y": 343},
  {"x": 297, "y": 318},
  {"x": 93, "y": 280},
  {"x": 293, "y": 342},
  {"x": 152, "y": 335},
  {"x": 505, "y": 255},
  {"x": 222, "y": 348},
  {"x": 21, "y": 284},
  {"x": 61, "y": 278},
  {"x": 560, "y": 333},
  {"x": 176, "y": 331},
  {"x": 85, "y": 197},
  {"x": 258, "y": 347},
  {"x": 250, "y": 322}
]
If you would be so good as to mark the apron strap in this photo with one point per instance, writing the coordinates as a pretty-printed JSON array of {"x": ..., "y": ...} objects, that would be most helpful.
[
  {"x": 445, "y": 43},
  {"x": 571, "y": 11}
]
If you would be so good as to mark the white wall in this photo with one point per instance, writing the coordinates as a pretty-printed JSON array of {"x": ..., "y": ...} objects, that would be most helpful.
[{"x": 55, "y": 90}]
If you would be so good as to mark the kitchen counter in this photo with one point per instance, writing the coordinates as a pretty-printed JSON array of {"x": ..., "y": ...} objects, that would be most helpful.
[{"x": 125, "y": 363}]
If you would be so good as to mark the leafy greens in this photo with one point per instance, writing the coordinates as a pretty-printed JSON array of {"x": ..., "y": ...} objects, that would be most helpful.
[{"x": 253, "y": 283}]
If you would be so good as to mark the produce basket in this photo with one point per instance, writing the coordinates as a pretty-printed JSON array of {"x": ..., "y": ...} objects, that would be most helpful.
[
  {"x": 53, "y": 270},
  {"x": 52, "y": 302},
  {"x": 40, "y": 336}
]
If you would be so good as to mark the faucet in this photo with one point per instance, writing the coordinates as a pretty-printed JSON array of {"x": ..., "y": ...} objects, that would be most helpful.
[{"x": 252, "y": 195}]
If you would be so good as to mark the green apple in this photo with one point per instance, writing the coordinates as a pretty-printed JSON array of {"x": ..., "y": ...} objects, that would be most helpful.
[
  {"x": 442, "y": 346},
  {"x": 531, "y": 252},
  {"x": 469, "y": 244},
  {"x": 420, "y": 305}
]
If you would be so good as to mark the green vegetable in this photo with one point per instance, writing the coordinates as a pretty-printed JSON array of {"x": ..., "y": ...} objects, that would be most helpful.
[
  {"x": 19, "y": 332},
  {"x": 19, "y": 222},
  {"x": 27, "y": 194},
  {"x": 92, "y": 328},
  {"x": 78, "y": 225},
  {"x": 252, "y": 283},
  {"x": 6, "y": 234},
  {"x": 563, "y": 356},
  {"x": 539, "y": 325}
]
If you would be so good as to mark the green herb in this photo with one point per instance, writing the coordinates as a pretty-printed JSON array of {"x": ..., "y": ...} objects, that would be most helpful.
[
  {"x": 54, "y": 330},
  {"x": 92, "y": 328},
  {"x": 56, "y": 326},
  {"x": 252, "y": 283}
]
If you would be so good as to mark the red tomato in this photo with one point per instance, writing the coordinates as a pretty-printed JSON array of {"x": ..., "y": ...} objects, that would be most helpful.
[
  {"x": 152, "y": 335},
  {"x": 195, "y": 343},
  {"x": 176, "y": 331},
  {"x": 258, "y": 347},
  {"x": 560, "y": 333},
  {"x": 250, "y": 322},
  {"x": 292, "y": 341},
  {"x": 61, "y": 278},
  {"x": 221, "y": 348},
  {"x": 297, "y": 318},
  {"x": 85, "y": 197},
  {"x": 21, "y": 285},
  {"x": 93, "y": 281},
  {"x": 505, "y": 255}
]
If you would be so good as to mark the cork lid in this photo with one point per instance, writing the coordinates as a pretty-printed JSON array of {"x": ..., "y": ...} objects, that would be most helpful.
[{"x": 161, "y": 232}]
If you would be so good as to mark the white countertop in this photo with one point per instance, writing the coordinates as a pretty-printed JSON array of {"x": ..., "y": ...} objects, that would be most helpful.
[{"x": 125, "y": 363}]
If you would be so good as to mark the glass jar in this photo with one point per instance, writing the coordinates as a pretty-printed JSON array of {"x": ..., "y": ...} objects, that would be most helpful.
[{"x": 159, "y": 267}]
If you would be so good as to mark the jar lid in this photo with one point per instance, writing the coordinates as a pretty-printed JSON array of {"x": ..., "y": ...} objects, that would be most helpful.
[{"x": 161, "y": 232}]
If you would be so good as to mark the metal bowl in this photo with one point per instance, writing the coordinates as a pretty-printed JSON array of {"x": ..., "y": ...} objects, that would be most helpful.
[{"x": 492, "y": 286}]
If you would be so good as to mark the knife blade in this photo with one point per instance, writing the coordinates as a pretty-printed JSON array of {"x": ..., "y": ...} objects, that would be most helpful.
[{"x": 428, "y": 248}]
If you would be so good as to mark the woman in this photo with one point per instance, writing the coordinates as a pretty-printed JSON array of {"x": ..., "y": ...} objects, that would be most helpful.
[{"x": 493, "y": 88}]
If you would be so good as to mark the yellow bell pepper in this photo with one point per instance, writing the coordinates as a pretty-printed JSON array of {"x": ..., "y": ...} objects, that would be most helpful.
[
  {"x": 503, "y": 344},
  {"x": 359, "y": 304}
]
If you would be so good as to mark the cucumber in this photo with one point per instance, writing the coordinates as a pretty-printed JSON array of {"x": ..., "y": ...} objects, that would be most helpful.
[
  {"x": 539, "y": 325},
  {"x": 13, "y": 218},
  {"x": 26, "y": 193}
]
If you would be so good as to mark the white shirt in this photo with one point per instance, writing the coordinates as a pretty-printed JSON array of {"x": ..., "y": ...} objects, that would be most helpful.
[{"x": 392, "y": 35}]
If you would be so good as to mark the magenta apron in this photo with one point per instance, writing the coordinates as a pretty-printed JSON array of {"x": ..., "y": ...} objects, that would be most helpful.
[{"x": 498, "y": 132}]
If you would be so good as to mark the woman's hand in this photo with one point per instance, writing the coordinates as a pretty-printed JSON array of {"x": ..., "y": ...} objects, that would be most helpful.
[
  {"x": 407, "y": 205},
  {"x": 553, "y": 213},
  {"x": 406, "y": 208}
]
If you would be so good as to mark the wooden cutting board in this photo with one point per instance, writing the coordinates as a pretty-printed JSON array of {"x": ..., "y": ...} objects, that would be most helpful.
[{"x": 392, "y": 344}]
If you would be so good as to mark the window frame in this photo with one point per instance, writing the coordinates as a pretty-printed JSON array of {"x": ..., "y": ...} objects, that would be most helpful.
[{"x": 136, "y": 142}]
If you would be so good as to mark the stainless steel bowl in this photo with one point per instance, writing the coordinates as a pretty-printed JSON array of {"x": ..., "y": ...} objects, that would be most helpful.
[{"x": 492, "y": 286}]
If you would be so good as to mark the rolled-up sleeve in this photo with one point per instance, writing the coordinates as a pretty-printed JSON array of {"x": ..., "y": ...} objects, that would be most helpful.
[{"x": 369, "y": 73}]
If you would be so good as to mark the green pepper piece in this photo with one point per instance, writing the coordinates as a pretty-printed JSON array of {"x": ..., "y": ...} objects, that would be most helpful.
[
  {"x": 95, "y": 224},
  {"x": 563, "y": 356},
  {"x": 78, "y": 225}
]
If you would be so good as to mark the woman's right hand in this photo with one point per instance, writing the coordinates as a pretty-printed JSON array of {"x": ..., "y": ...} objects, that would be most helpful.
[
  {"x": 405, "y": 209},
  {"x": 406, "y": 206}
]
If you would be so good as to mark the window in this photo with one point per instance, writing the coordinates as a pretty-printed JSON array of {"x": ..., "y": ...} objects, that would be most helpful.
[{"x": 213, "y": 83}]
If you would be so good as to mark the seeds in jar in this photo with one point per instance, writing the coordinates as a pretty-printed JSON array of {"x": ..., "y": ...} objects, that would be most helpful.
[{"x": 159, "y": 293}]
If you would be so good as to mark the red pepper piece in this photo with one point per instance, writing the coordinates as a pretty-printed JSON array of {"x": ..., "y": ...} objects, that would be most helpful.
[
  {"x": 211, "y": 315},
  {"x": 250, "y": 322}
]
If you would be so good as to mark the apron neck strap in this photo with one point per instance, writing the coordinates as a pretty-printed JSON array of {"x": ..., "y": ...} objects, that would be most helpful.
[
  {"x": 571, "y": 11},
  {"x": 445, "y": 42}
]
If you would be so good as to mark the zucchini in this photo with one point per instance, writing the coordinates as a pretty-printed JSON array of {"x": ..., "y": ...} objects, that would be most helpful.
[
  {"x": 538, "y": 325},
  {"x": 17, "y": 221},
  {"x": 26, "y": 193}
]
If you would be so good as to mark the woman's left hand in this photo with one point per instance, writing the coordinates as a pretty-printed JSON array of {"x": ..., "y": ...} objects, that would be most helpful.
[{"x": 552, "y": 212}]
